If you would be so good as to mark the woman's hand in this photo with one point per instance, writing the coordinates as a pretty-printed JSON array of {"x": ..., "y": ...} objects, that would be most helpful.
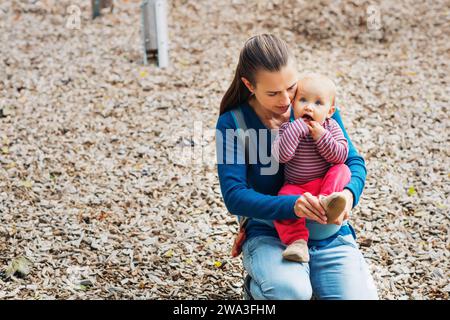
[
  {"x": 309, "y": 207},
  {"x": 348, "y": 207}
]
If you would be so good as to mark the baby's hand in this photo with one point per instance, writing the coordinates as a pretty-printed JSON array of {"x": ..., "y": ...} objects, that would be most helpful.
[{"x": 315, "y": 129}]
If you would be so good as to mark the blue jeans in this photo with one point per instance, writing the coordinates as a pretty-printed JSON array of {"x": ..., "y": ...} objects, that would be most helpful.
[{"x": 335, "y": 271}]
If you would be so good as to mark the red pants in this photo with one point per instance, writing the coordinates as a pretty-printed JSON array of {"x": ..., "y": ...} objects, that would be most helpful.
[{"x": 337, "y": 177}]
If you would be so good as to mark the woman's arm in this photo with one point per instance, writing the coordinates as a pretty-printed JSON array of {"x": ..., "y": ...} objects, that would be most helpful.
[
  {"x": 356, "y": 164},
  {"x": 240, "y": 198}
]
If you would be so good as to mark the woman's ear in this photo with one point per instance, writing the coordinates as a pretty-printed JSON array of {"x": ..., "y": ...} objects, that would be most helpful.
[{"x": 248, "y": 85}]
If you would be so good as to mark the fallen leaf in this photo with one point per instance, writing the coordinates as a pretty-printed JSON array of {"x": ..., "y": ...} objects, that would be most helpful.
[
  {"x": 143, "y": 74},
  {"x": 27, "y": 183},
  {"x": 441, "y": 205},
  {"x": 411, "y": 191},
  {"x": 410, "y": 73},
  {"x": 169, "y": 253},
  {"x": 102, "y": 216},
  {"x": 20, "y": 267},
  {"x": 10, "y": 165}
]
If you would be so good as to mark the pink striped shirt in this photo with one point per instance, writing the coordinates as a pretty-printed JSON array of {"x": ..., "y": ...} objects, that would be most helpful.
[{"x": 305, "y": 158}]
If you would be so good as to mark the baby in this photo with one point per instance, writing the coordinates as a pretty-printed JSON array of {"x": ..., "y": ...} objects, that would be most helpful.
[{"x": 314, "y": 149}]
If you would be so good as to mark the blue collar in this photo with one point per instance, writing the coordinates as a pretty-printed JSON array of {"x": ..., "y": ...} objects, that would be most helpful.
[{"x": 292, "y": 114}]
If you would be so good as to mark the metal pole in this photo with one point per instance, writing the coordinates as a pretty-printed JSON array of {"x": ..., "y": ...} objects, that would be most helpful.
[
  {"x": 144, "y": 4},
  {"x": 95, "y": 8},
  {"x": 154, "y": 31},
  {"x": 161, "y": 28}
]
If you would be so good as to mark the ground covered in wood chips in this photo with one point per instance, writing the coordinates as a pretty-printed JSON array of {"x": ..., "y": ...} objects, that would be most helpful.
[{"x": 96, "y": 192}]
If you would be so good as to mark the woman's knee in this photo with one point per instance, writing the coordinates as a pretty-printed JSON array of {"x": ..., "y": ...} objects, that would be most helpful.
[{"x": 286, "y": 289}]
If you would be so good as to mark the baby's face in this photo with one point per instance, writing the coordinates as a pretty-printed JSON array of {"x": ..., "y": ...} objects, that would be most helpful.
[{"x": 314, "y": 100}]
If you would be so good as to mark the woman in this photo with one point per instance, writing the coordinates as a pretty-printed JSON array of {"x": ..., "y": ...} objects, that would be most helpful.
[{"x": 263, "y": 87}]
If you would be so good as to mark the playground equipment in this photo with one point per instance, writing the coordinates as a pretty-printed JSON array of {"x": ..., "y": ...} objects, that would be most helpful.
[
  {"x": 154, "y": 31},
  {"x": 98, "y": 5},
  {"x": 155, "y": 41}
]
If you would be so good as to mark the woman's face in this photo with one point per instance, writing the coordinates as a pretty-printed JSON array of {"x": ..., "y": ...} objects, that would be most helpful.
[{"x": 275, "y": 91}]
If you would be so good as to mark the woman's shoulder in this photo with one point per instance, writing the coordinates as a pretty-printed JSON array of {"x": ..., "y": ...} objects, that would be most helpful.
[
  {"x": 337, "y": 116},
  {"x": 227, "y": 120},
  {"x": 337, "y": 113}
]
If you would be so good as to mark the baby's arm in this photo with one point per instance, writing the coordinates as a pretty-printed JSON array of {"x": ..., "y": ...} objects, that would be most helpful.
[
  {"x": 332, "y": 145},
  {"x": 288, "y": 139}
]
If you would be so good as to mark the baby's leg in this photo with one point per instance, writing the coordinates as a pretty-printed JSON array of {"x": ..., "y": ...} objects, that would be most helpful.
[
  {"x": 293, "y": 232},
  {"x": 337, "y": 177},
  {"x": 290, "y": 230}
]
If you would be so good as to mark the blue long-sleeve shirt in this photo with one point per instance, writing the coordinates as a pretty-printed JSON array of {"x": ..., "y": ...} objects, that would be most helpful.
[{"x": 248, "y": 192}]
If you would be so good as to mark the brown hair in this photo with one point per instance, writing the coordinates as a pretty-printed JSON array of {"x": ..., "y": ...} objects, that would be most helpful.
[{"x": 262, "y": 52}]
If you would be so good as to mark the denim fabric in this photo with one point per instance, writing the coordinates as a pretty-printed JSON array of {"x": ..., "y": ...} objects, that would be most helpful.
[{"x": 335, "y": 271}]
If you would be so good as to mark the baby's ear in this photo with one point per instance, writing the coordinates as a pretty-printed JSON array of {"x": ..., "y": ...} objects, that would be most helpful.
[{"x": 332, "y": 110}]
